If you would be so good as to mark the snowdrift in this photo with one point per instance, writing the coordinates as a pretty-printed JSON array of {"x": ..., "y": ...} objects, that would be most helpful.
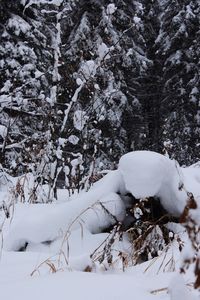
[
  {"x": 149, "y": 174},
  {"x": 141, "y": 173}
]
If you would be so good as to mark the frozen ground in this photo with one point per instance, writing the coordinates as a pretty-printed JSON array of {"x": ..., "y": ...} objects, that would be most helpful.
[{"x": 61, "y": 237}]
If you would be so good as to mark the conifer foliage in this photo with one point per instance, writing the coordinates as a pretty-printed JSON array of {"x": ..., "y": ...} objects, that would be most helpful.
[{"x": 82, "y": 82}]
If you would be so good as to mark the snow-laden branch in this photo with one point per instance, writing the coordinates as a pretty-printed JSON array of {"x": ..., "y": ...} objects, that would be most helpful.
[{"x": 73, "y": 100}]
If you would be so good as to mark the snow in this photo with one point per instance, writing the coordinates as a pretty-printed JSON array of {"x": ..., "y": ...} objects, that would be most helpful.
[
  {"x": 103, "y": 51},
  {"x": 3, "y": 131},
  {"x": 192, "y": 180},
  {"x": 142, "y": 280},
  {"x": 148, "y": 174},
  {"x": 38, "y": 74},
  {"x": 73, "y": 285},
  {"x": 62, "y": 236},
  {"x": 143, "y": 173},
  {"x": 19, "y": 25},
  {"x": 53, "y": 96},
  {"x": 79, "y": 81},
  {"x": 39, "y": 2},
  {"x": 56, "y": 46},
  {"x": 77, "y": 91},
  {"x": 88, "y": 69},
  {"x": 86, "y": 210},
  {"x": 62, "y": 141},
  {"x": 6, "y": 87},
  {"x": 79, "y": 119},
  {"x": 111, "y": 8},
  {"x": 179, "y": 290},
  {"x": 96, "y": 86},
  {"x": 73, "y": 139},
  {"x": 73, "y": 100},
  {"x": 136, "y": 20},
  {"x": 139, "y": 168}
]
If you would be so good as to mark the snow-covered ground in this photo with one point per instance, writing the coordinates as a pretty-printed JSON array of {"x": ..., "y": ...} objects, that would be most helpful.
[
  {"x": 16, "y": 282},
  {"x": 61, "y": 237},
  {"x": 150, "y": 280}
]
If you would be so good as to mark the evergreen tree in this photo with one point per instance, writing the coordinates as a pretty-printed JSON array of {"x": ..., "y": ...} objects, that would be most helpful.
[
  {"x": 104, "y": 58},
  {"x": 82, "y": 82},
  {"x": 28, "y": 62},
  {"x": 177, "y": 47}
]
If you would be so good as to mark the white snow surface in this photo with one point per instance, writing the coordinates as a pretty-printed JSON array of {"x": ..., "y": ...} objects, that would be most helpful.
[
  {"x": 62, "y": 236},
  {"x": 55, "y": 220},
  {"x": 79, "y": 119},
  {"x": 3, "y": 131},
  {"x": 16, "y": 282},
  {"x": 143, "y": 173},
  {"x": 88, "y": 69},
  {"x": 148, "y": 174},
  {"x": 38, "y": 2},
  {"x": 103, "y": 51},
  {"x": 179, "y": 290},
  {"x": 111, "y": 8}
]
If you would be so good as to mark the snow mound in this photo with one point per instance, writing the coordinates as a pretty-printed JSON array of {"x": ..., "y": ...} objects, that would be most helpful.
[
  {"x": 142, "y": 173},
  {"x": 93, "y": 210},
  {"x": 149, "y": 174}
]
